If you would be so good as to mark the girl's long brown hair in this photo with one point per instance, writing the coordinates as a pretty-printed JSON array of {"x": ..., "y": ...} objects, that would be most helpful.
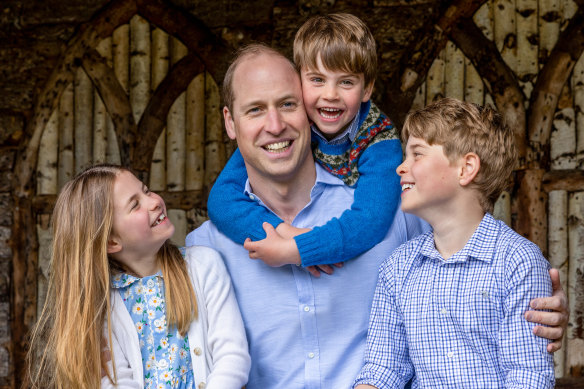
[{"x": 67, "y": 341}]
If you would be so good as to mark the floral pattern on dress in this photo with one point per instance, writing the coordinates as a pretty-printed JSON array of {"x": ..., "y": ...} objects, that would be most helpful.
[{"x": 166, "y": 357}]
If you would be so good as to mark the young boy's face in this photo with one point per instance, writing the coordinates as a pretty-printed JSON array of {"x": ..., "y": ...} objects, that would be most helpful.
[
  {"x": 332, "y": 98},
  {"x": 429, "y": 180}
]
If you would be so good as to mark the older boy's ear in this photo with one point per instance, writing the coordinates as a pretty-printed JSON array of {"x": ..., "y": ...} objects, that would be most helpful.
[
  {"x": 229, "y": 125},
  {"x": 470, "y": 165},
  {"x": 113, "y": 245}
]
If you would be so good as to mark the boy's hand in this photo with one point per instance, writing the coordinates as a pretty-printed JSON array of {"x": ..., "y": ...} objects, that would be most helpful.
[
  {"x": 288, "y": 231},
  {"x": 274, "y": 250},
  {"x": 557, "y": 320},
  {"x": 279, "y": 248}
]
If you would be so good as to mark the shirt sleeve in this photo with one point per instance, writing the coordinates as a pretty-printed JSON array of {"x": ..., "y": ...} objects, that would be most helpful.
[
  {"x": 367, "y": 221},
  {"x": 523, "y": 356},
  {"x": 234, "y": 214},
  {"x": 387, "y": 363}
]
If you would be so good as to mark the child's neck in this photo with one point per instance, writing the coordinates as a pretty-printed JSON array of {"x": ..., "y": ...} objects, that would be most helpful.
[
  {"x": 453, "y": 231},
  {"x": 140, "y": 265}
]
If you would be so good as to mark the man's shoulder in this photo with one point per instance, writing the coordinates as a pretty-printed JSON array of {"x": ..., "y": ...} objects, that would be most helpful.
[{"x": 204, "y": 235}]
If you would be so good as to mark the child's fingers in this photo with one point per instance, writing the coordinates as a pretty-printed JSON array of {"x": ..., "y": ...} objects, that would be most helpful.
[
  {"x": 326, "y": 268},
  {"x": 313, "y": 270}
]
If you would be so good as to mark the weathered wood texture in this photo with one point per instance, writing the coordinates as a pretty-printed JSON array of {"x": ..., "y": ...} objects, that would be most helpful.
[{"x": 95, "y": 82}]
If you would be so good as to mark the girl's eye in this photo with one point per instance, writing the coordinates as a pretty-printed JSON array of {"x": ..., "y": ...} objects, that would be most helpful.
[
  {"x": 147, "y": 190},
  {"x": 135, "y": 205}
]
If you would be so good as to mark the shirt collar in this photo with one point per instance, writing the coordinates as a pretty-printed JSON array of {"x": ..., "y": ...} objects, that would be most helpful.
[
  {"x": 122, "y": 280},
  {"x": 323, "y": 178},
  {"x": 481, "y": 244}
]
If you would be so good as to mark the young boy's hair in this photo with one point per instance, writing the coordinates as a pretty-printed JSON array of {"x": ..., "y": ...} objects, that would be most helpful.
[
  {"x": 342, "y": 41},
  {"x": 252, "y": 49},
  {"x": 460, "y": 128}
]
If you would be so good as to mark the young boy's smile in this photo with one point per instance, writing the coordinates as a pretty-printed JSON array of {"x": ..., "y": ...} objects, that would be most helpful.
[{"x": 332, "y": 98}]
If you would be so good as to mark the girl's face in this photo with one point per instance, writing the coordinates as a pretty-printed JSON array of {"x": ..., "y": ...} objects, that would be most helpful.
[{"x": 140, "y": 223}]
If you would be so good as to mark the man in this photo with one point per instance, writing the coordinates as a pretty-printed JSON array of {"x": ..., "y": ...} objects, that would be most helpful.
[{"x": 303, "y": 332}]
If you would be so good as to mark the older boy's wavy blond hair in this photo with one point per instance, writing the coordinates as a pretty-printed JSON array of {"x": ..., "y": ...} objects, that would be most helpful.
[
  {"x": 67, "y": 341},
  {"x": 461, "y": 128},
  {"x": 343, "y": 43}
]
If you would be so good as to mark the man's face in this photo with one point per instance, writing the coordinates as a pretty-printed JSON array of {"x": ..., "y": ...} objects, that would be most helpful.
[{"x": 268, "y": 119}]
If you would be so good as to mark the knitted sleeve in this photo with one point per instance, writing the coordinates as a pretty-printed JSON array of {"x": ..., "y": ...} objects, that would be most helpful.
[
  {"x": 235, "y": 214},
  {"x": 367, "y": 221}
]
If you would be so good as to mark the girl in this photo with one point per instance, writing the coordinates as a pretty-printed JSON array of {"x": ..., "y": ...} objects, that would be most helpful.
[{"x": 123, "y": 307}]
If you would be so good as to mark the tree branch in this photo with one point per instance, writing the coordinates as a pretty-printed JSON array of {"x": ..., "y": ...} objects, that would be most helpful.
[
  {"x": 154, "y": 117},
  {"x": 116, "y": 102},
  {"x": 547, "y": 90},
  {"x": 500, "y": 79},
  {"x": 403, "y": 84}
]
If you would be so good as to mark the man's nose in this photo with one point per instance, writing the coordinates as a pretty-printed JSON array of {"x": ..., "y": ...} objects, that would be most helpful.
[{"x": 275, "y": 123}]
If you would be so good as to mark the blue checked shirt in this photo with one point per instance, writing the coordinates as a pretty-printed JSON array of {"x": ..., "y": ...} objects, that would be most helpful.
[{"x": 459, "y": 323}]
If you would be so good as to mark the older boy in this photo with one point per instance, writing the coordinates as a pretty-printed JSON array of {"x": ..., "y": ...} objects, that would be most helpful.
[
  {"x": 352, "y": 139},
  {"x": 449, "y": 305}
]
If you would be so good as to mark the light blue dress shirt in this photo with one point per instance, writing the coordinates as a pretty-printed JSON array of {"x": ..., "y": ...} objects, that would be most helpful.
[
  {"x": 307, "y": 332},
  {"x": 459, "y": 323}
]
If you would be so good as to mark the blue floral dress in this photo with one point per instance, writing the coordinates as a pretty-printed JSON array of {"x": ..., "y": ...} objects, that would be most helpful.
[{"x": 166, "y": 357}]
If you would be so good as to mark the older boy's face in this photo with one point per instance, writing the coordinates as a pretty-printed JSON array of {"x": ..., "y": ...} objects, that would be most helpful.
[
  {"x": 332, "y": 98},
  {"x": 429, "y": 180},
  {"x": 268, "y": 119}
]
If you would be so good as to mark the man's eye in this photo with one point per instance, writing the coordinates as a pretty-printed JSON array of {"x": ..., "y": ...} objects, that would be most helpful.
[
  {"x": 253, "y": 110},
  {"x": 288, "y": 104}
]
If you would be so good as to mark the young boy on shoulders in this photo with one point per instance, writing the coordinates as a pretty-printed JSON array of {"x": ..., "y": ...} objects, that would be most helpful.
[
  {"x": 352, "y": 139},
  {"x": 449, "y": 305}
]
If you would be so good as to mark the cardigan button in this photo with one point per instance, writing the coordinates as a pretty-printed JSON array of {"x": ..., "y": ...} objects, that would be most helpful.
[
  {"x": 198, "y": 351},
  {"x": 202, "y": 385}
]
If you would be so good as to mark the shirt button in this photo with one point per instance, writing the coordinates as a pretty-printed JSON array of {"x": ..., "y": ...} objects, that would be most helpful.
[
  {"x": 306, "y": 308},
  {"x": 198, "y": 351},
  {"x": 202, "y": 385},
  {"x": 443, "y": 311},
  {"x": 450, "y": 354},
  {"x": 310, "y": 355},
  {"x": 252, "y": 197}
]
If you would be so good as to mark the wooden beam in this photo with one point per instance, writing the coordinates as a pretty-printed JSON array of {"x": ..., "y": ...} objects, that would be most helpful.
[
  {"x": 500, "y": 79},
  {"x": 213, "y": 51},
  {"x": 399, "y": 93},
  {"x": 547, "y": 90},
  {"x": 568, "y": 180},
  {"x": 115, "y": 100},
  {"x": 185, "y": 200},
  {"x": 154, "y": 117}
]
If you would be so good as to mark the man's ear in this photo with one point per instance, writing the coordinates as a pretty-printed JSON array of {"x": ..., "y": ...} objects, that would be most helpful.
[
  {"x": 470, "y": 165},
  {"x": 229, "y": 125},
  {"x": 113, "y": 245}
]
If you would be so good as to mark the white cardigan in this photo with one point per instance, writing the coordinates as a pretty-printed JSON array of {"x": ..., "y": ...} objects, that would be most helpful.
[{"x": 217, "y": 341}]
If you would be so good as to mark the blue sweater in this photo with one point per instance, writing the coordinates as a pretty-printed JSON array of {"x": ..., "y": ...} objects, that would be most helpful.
[{"x": 368, "y": 163}]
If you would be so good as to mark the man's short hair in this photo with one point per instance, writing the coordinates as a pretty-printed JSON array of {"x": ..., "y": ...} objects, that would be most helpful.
[
  {"x": 460, "y": 128},
  {"x": 244, "y": 52},
  {"x": 343, "y": 42}
]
